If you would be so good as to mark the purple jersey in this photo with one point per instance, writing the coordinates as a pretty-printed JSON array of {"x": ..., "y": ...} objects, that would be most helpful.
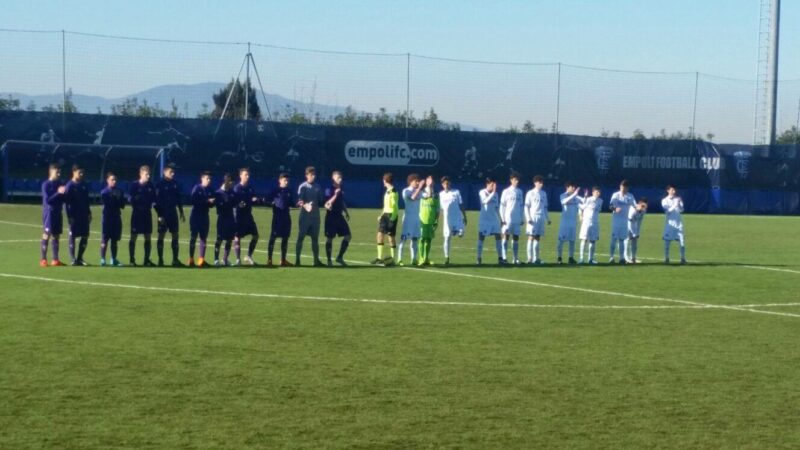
[
  {"x": 282, "y": 200},
  {"x": 225, "y": 203},
  {"x": 200, "y": 206},
  {"x": 113, "y": 201},
  {"x": 76, "y": 198},
  {"x": 244, "y": 200},
  {"x": 141, "y": 197},
  {"x": 338, "y": 205},
  {"x": 51, "y": 199},
  {"x": 167, "y": 197}
]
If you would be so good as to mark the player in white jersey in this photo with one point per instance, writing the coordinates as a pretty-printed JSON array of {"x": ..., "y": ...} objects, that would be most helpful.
[
  {"x": 511, "y": 217},
  {"x": 411, "y": 223},
  {"x": 673, "y": 225},
  {"x": 489, "y": 219},
  {"x": 536, "y": 215},
  {"x": 455, "y": 218},
  {"x": 567, "y": 228},
  {"x": 590, "y": 223},
  {"x": 621, "y": 203},
  {"x": 635, "y": 219}
]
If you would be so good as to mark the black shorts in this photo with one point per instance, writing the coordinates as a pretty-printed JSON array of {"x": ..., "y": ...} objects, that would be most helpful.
[
  {"x": 386, "y": 225},
  {"x": 336, "y": 225}
]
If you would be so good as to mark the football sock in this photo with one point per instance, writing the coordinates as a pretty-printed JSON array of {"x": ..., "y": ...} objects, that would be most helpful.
[
  {"x": 591, "y": 251},
  {"x": 43, "y": 248},
  {"x": 148, "y": 247},
  {"x": 56, "y": 243},
  {"x": 284, "y": 248},
  {"x": 192, "y": 244},
  {"x": 174, "y": 245},
  {"x": 72, "y": 247},
  {"x": 583, "y": 248},
  {"x": 515, "y": 247},
  {"x": 572, "y": 249},
  {"x": 504, "y": 248},
  {"x": 103, "y": 245},
  {"x": 329, "y": 248},
  {"x": 447, "y": 246},
  {"x": 480, "y": 248},
  {"x": 343, "y": 248},
  {"x": 560, "y": 248},
  {"x": 113, "y": 249},
  {"x": 497, "y": 247},
  {"x": 530, "y": 251},
  {"x": 252, "y": 247},
  {"x": 414, "y": 249},
  {"x": 535, "y": 250}
]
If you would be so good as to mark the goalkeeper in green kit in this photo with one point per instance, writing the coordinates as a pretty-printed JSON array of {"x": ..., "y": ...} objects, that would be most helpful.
[{"x": 429, "y": 220}]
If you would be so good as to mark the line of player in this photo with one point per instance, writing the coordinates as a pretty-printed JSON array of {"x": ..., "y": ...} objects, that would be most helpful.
[{"x": 501, "y": 216}]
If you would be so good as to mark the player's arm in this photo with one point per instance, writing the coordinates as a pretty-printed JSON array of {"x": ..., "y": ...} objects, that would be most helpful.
[
  {"x": 394, "y": 203},
  {"x": 179, "y": 202},
  {"x": 546, "y": 208},
  {"x": 502, "y": 209},
  {"x": 55, "y": 195},
  {"x": 415, "y": 195},
  {"x": 665, "y": 204},
  {"x": 527, "y": 208}
]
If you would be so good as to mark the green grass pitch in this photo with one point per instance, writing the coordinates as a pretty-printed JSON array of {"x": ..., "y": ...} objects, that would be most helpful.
[{"x": 704, "y": 355}]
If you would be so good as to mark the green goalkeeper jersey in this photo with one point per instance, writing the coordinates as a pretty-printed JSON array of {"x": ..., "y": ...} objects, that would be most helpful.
[
  {"x": 391, "y": 204},
  {"x": 429, "y": 210}
]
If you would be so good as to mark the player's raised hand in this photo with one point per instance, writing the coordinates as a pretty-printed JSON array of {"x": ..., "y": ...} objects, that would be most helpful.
[
  {"x": 62, "y": 189},
  {"x": 585, "y": 192},
  {"x": 617, "y": 210},
  {"x": 328, "y": 205},
  {"x": 347, "y": 216}
]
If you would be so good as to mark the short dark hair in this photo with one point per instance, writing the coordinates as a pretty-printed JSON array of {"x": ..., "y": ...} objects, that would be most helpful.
[
  {"x": 490, "y": 180},
  {"x": 336, "y": 172},
  {"x": 642, "y": 200},
  {"x": 445, "y": 179},
  {"x": 623, "y": 183},
  {"x": 671, "y": 186},
  {"x": 311, "y": 169},
  {"x": 412, "y": 177},
  {"x": 283, "y": 175},
  {"x": 569, "y": 183},
  {"x": 54, "y": 166},
  {"x": 244, "y": 169},
  {"x": 110, "y": 174},
  {"x": 205, "y": 173},
  {"x": 514, "y": 175},
  {"x": 388, "y": 177},
  {"x": 596, "y": 188},
  {"x": 144, "y": 169},
  {"x": 538, "y": 179},
  {"x": 76, "y": 168},
  {"x": 227, "y": 176}
]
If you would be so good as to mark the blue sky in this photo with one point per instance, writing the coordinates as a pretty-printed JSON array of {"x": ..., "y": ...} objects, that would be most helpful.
[{"x": 711, "y": 36}]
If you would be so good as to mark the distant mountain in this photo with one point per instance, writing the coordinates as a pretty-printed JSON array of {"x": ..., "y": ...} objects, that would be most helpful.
[{"x": 188, "y": 97}]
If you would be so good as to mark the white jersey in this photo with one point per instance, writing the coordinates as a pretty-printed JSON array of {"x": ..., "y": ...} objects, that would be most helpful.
[
  {"x": 590, "y": 226},
  {"x": 450, "y": 202},
  {"x": 489, "y": 218},
  {"x": 536, "y": 214},
  {"x": 635, "y": 219},
  {"x": 511, "y": 205},
  {"x": 619, "y": 220},
  {"x": 411, "y": 222},
  {"x": 673, "y": 224},
  {"x": 569, "y": 216}
]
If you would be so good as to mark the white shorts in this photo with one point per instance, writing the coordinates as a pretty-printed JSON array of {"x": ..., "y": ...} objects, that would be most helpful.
[
  {"x": 566, "y": 232},
  {"x": 448, "y": 231},
  {"x": 512, "y": 228},
  {"x": 536, "y": 226},
  {"x": 411, "y": 229},
  {"x": 619, "y": 231},
  {"x": 488, "y": 228},
  {"x": 673, "y": 233},
  {"x": 590, "y": 232}
]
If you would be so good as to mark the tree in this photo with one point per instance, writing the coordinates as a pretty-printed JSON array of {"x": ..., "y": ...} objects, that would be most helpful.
[
  {"x": 66, "y": 106},
  {"x": 236, "y": 107},
  {"x": 10, "y": 104},
  {"x": 789, "y": 137},
  {"x": 131, "y": 107}
]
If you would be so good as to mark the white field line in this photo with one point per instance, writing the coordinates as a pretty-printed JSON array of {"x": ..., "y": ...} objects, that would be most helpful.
[
  {"x": 343, "y": 299},
  {"x": 774, "y": 269},
  {"x": 557, "y": 286}
]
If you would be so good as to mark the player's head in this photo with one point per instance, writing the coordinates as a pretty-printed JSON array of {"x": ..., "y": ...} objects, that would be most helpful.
[
  {"x": 445, "y": 183},
  {"x": 205, "y": 178},
  {"x": 77, "y": 173},
  {"x": 111, "y": 179},
  {"x": 144, "y": 174},
  {"x": 388, "y": 180},
  {"x": 336, "y": 177},
  {"x": 641, "y": 204},
  {"x": 311, "y": 174},
  {"x": 227, "y": 181},
  {"x": 514, "y": 179},
  {"x": 244, "y": 175},
  {"x": 671, "y": 190},
  {"x": 569, "y": 186},
  {"x": 596, "y": 191},
  {"x": 53, "y": 171},
  {"x": 491, "y": 184},
  {"x": 623, "y": 186},
  {"x": 283, "y": 180},
  {"x": 413, "y": 180},
  {"x": 169, "y": 172},
  {"x": 538, "y": 181}
]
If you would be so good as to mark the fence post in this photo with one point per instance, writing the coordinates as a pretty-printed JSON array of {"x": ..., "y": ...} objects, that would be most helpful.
[
  {"x": 408, "y": 90},
  {"x": 558, "y": 99},
  {"x": 6, "y": 171},
  {"x": 694, "y": 108},
  {"x": 63, "y": 82}
]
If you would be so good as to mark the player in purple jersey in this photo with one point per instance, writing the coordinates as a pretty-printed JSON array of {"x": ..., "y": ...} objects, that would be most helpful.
[
  {"x": 169, "y": 208},
  {"x": 79, "y": 214},
  {"x": 141, "y": 196},
  {"x": 282, "y": 199},
  {"x": 225, "y": 202},
  {"x": 336, "y": 219},
  {"x": 52, "y": 220},
  {"x": 202, "y": 201},
  {"x": 113, "y": 202},
  {"x": 245, "y": 223}
]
